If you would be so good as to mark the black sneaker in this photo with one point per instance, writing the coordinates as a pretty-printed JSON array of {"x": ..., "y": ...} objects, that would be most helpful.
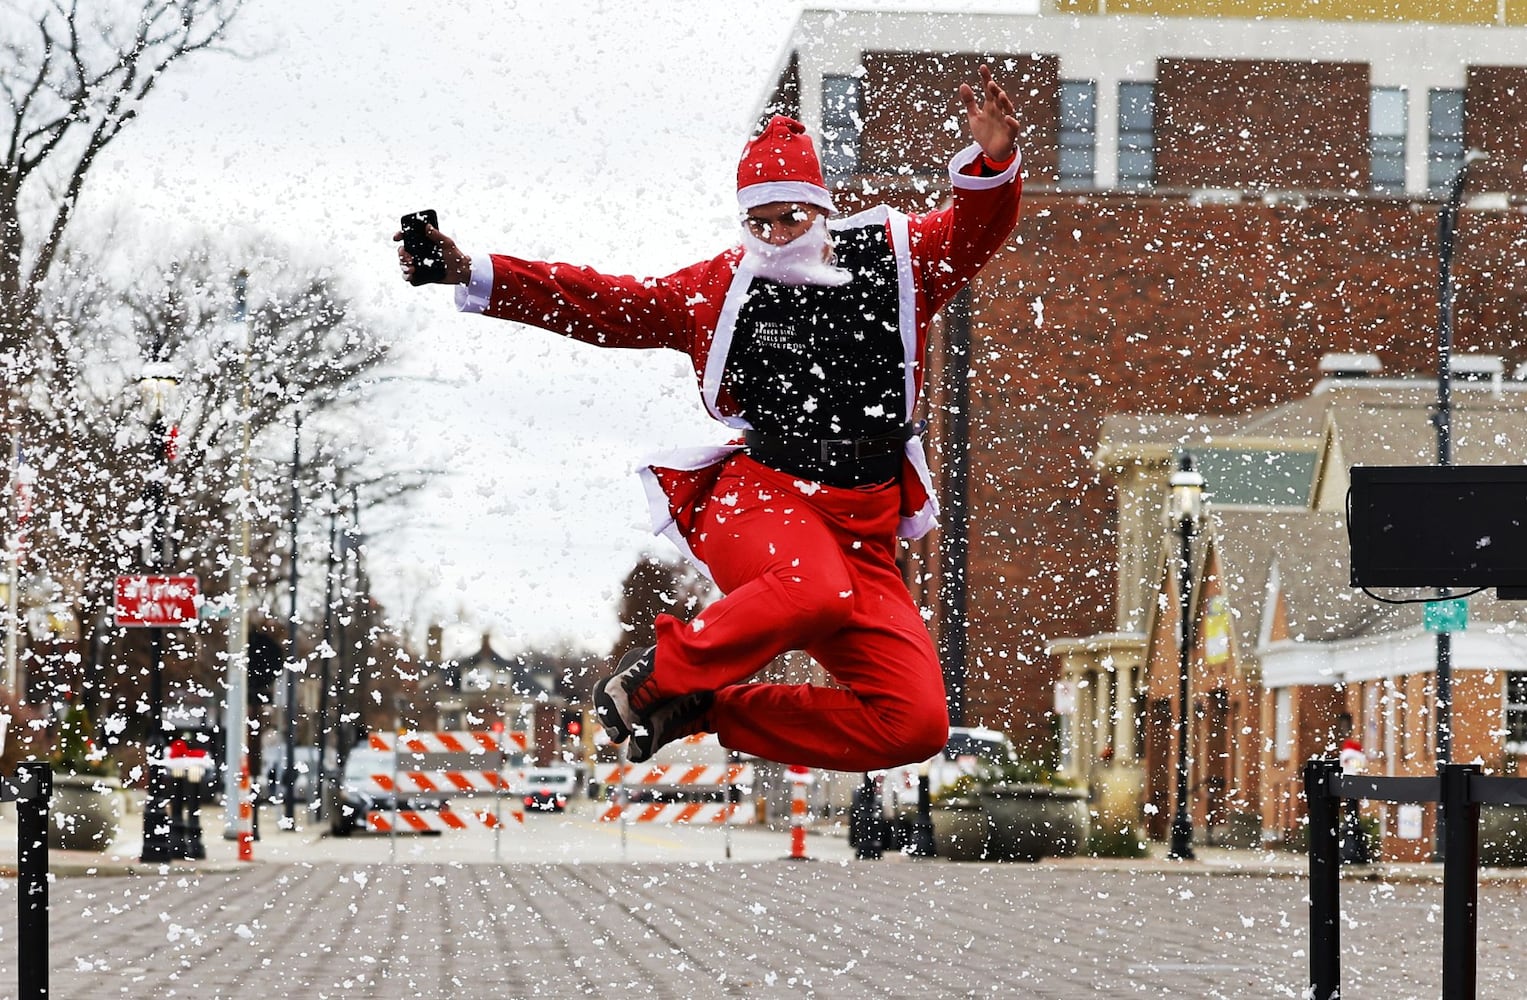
[
  {"x": 621, "y": 698},
  {"x": 673, "y": 721}
]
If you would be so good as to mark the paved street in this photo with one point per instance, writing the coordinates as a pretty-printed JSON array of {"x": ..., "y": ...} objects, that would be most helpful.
[
  {"x": 321, "y": 917},
  {"x": 826, "y": 929}
]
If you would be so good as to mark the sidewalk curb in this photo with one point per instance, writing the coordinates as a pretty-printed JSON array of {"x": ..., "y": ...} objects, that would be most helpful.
[{"x": 114, "y": 868}]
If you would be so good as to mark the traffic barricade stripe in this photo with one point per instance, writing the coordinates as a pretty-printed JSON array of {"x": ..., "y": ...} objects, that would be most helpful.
[
  {"x": 453, "y": 741},
  {"x": 667, "y": 774},
  {"x": 465, "y": 782},
  {"x": 672, "y": 812},
  {"x": 381, "y": 821}
]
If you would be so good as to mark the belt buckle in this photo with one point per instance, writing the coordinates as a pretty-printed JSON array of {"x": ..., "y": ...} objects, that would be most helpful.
[{"x": 835, "y": 450}]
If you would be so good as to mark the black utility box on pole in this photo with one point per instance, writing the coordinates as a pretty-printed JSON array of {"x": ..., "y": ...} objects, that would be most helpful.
[{"x": 1439, "y": 526}]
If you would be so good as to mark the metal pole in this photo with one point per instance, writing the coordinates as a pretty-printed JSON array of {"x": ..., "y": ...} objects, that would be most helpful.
[
  {"x": 1325, "y": 880},
  {"x": 1460, "y": 883},
  {"x": 345, "y": 735},
  {"x": 1447, "y": 232},
  {"x": 953, "y": 637},
  {"x": 326, "y": 664},
  {"x": 1182, "y": 822},
  {"x": 156, "y": 819},
  {"x": 289, "y": 773},
  {"x": 358, "y": 599},
  {"x": 13, "y": 679},
  {"x": 236, "y": 685}
]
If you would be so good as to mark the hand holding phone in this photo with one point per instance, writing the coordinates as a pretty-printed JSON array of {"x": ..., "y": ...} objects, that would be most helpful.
[{"x": 429, "y": 264}]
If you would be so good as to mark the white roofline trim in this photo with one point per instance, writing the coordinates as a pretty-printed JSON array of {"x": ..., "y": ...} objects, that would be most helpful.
[{"x": 1288, "y": 662}]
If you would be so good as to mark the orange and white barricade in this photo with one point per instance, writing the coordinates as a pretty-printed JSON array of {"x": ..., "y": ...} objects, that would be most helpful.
[
  {"x": 678, "y": 793},
  {"x": 454, "y": 764}
]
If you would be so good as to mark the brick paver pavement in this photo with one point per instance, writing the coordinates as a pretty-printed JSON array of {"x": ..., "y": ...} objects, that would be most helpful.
[{"x": 896, "y": 928}]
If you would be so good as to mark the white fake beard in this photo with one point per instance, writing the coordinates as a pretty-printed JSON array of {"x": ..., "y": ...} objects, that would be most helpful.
[{"x": 805, "y": 260}]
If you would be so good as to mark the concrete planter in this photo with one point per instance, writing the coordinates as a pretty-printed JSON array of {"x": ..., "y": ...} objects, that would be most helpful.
[
  {"x": 85, "y": 812},
  {"x": 1502, "y": 836},
  {"x": 960, "y": 830},
  {"x": 1029, "y": 822}
]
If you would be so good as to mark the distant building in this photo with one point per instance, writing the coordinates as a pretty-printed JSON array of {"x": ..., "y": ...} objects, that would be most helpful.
[
  {"x": 489, "y": 691},
  {"x": 1218, "y": 194},
  {"x": 1284, "y": 646}
]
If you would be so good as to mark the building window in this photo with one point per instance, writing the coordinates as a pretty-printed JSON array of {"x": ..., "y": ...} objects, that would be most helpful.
[
  {"x": 840, "y": 127},
  {"x": 1516, "y": 713},
  {"x": 1137, "y": 135},
  {"x": 1444, "y": 138},
  {"x": 1386, "y": 139},
  {"x": 1078, "y": 133},
  {"x": 1283, "y": 724}
]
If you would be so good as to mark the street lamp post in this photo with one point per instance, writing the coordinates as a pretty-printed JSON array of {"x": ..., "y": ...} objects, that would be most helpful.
[
  {"x": 289, "y": 687},
  {"x": 236, "y": 734},
  {"x": 1447, "y": 232},
  {"x": 1184, "y": 509},
  {"x": 156, "y": 384}
]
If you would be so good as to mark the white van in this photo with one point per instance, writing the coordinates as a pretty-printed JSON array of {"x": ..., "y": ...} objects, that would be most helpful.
[{"x": 965, "y": 753}]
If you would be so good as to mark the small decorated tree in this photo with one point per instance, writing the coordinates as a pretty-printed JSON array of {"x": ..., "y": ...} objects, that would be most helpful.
[{"x": 74, "y": 750}]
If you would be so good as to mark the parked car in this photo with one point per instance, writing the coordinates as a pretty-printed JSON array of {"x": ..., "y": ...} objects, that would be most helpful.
[
  {"x": 358, "y": 795},
  {"x": 549, "y": 789},
  {"x": 967, "y": 750}
]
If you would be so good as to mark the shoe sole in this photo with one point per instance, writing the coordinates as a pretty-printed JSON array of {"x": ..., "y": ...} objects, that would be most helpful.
[
  {"x": 608, "y": 714},
  {"x": 605, "y": 708}
]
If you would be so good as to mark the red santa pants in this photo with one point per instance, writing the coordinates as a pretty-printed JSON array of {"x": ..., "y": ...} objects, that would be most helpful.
[{"x": 808, "y": 567}]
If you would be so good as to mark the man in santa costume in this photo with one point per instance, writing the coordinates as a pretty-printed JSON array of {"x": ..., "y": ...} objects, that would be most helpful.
[{"x": 809, "y": 340}]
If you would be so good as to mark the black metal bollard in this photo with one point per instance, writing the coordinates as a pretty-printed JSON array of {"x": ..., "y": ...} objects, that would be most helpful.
[
  {"x": 34, "y": 787},
  {"x": 1325, "y": 880},
  {"x": 177, "y": 812},
  {"x": 1354, "y": 842},
  {"x": 1460, "y": 882},
  {"x": 922, "y": 828},
  {"x": 196, "y": 848},
  {"x": 864, "y": 822}
]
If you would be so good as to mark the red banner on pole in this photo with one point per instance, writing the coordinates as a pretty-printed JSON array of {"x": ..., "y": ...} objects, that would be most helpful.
[{"x": 156, "y": 601}]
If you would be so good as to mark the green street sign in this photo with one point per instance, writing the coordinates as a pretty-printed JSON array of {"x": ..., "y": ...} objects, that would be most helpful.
[{"x": 1446, "y": 616}]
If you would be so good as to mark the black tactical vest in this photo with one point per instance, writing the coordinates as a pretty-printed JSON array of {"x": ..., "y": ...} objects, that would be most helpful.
[{"x": 814, "y": 362}]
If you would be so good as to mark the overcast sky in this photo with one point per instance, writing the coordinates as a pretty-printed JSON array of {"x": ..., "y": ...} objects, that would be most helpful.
[{"x": 599, "y": 133}]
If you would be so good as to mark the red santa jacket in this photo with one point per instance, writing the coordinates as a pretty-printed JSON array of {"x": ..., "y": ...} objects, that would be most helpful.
[{"x": 694, "y": 311}]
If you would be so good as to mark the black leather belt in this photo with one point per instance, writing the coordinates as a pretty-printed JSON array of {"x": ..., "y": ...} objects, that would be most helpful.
[{"x": 834, "y": 461}]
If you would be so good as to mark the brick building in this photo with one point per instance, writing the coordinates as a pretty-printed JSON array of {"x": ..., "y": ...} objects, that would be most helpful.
[
  {"x": 1217, "y": 195},
  {"x": 1283, "y": 647}
]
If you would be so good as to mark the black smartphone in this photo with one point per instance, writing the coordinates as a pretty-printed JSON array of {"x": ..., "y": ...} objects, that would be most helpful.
[{"x": 429, "y": 266}]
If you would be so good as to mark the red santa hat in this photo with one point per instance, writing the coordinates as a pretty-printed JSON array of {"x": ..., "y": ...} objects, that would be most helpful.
[{"x": 781, "y": 164}]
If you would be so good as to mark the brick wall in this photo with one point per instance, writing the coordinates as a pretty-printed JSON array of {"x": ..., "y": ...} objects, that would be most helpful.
[
  {"x": 1237, "y": 123},
  {"x": 1495, "y": 120},
  {"x": 913, "y": 118},
  {"x": 1108, "y": 304}
]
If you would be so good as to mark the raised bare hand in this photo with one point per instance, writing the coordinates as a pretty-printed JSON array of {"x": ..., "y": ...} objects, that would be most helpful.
[{"x": 992, "y": 118}]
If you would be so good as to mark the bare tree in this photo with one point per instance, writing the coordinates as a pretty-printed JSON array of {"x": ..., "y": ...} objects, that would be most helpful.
[
  {"x": 653, "y": 586},
  {"x": 246, "y": 362},
  {"x": 73, "y": 74}
]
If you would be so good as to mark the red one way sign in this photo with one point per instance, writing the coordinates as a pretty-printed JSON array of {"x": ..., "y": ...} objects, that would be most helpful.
[{"x": 156, "y": 601}]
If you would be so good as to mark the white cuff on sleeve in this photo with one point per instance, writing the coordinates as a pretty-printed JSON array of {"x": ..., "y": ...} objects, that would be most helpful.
[
  {"x": 969, "y": 182},
  {"x": 475, "y": 295}
]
